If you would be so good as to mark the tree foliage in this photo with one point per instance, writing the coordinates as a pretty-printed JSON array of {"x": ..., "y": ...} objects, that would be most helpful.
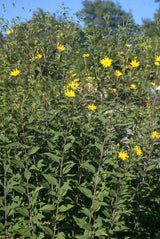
[{"x": 104, "y": 14}]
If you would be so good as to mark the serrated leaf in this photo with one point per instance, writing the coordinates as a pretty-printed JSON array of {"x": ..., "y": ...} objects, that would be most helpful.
[
  {"x": 68, "y": 167},
  {"x": 89, "y": 167},
  {"x": 82, "y": 223},
  {"x": 23, "y": 211},
  {"x": 51, "y": 179},
  {"x": 87, "y": 192},
  {"x": 64, "y": 208},
  {"x": 20, "y": 189},
  {"x": 47, "y": 231},
  {"x": 48, "y": 207},
  {"x": 60, "y": 235},
  {"x": 68, "y": 146},
  {"x": 150, "y": 167},
  {"x": 101, "y": 232},
  {"x": 54, "y": 157},
  {"x": 87, "y": 212},
  {"x": 4, "y": 138},
  {"x": 18, "y": 164},
  {"x": 34, "y": 150},
  {"x": 99, "y": 146}
]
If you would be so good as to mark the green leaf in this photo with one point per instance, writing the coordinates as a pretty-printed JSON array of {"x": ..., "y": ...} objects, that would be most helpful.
[
  {"x": 99, "y": 146},
  {"x": 101, "y": 232},
  {"x": 87, "y": 192},
  {"x": 68, "y": 146},
  {"x": 89, "y": 167},
  {"x": 54, "y": 157},
  {"x": 87, "y": 212},
  {"x": 82, "y": 223},
  {"x": 34, "y": 150},
  {"x": 60, "y": 235},
  {"x": 18, "y": 164},
  {"x": 47, "y": 231},
  {"x": 20, "y": 189},
  {"x": 4, "y": 138},
  {"x": 68, "y": 167},
  {"x": 48, "y": 207},
  {"x": 150, "y": 167},
  {"x": 64, "y": 208},
  {"x": 51, "y": 179},
  {"x": 23, "y": 211}
]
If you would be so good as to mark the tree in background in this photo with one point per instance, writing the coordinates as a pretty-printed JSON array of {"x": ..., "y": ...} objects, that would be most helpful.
[
  {"x": 104, "y": 14},
  {"x": 153, "y": 27}
]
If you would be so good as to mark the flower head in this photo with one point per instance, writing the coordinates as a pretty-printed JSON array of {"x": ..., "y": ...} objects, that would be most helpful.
[
  {"x": 134, "y": 63},
  {"x": 106, "y": 62},
  {"x": 15, "y": 72},
  {"x": 138, "y": 150},
  {"x": 123, "y": 155},
  {"x": 117, "y": 73},
  {"x": 128, "y": 45},
  {"x": 60, "y": 47},
  {"x": 39, "y": 56},
  {"x": 134, "y": 87},
  {"x": 92, "y": 107},
  {"x": 155, "y": 135},
  {"x": 157, "y": 58},
  {"x": 70, "y": 93},
  {"x": 46, "y": 223},
  {"x": 85, "y": 55},
  {"x": 157, "y": 63},
  {"x": 74, "y": 84},
  {"x": 9, "y": 31},
  {"x": 152, "y": 83}
]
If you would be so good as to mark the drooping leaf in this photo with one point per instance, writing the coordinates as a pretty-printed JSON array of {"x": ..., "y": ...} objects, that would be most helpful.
[{"x": 51, "y": 179}]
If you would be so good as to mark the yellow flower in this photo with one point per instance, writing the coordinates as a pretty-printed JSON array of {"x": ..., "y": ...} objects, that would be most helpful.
[
  {"x": 73, "y": 74},
  {"x": 134, "y": 87},
  {"x": 155, "y": 135},
  {"x": 123, "y": 155},
  {"x": 117, "y": 73},
  {"x": 15, "y": 72},
  {"x": 9, "y": 31},
  {"x": 128, "y": 45},
  {"x": 157, "y": 58},
  {"x": 39, "y": 56},
  {"x": 106, "y": 62},
  {"x": 157, "y": 63},
  {"x": 92, "y": 107},
  {"x": 134, "y": 63},
  {"x": 77, "y": 52},
  {"x": 46, "y": 223},
  {"x": 85, "y": 55},
  {"x": 70, "y": 93},
  {"x": 152, "y": 83},
  {"x": 60, "y": 47},
  {"x": 10, "y": 43},
  {"x": 73, "y": 84},
  {"x": 148, "y": 46},
  {"x": 113, "y": 90},
  {"x": 138, "y": 150}
]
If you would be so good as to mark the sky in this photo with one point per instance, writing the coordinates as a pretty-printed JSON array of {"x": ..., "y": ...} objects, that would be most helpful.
[{"x": 140, "y": 9}]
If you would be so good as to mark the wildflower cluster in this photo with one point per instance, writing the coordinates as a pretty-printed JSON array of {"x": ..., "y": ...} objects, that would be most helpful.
[
  {"x": 60, "y": 47},
  {"x": 138, "y": 150},
  {"x": 155, "y": 135},
  {"x": 157, "y": 61}
]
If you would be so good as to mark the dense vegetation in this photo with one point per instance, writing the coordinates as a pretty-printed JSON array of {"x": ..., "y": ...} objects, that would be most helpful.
[{"x": 79, "y": 130}]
